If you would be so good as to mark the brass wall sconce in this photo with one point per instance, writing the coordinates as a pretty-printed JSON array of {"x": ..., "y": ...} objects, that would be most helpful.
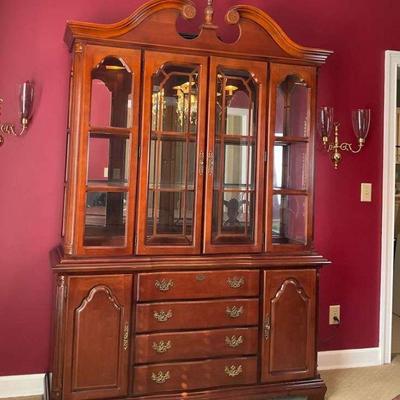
[
  {"x": 25, "y": 106},
  {"x": 361, "y": 121}
]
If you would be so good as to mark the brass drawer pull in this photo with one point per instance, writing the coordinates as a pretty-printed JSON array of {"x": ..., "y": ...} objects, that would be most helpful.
[
  {"x": 236, "y": 282},
  {"x": 200, "y": 277},
  {"x": 234, "y": 341},
  {"x": 160, "y": 377},
  {"x": 125, "y": 340},
  {"x": 162, "y": 316},
  {"x": 267, "y": 327},
  {"x": 164, "y": 285},
  {"x": 162, "y": 347},
  {"x": 233, "y": 371},
  {"x": 234, "y": 312}
]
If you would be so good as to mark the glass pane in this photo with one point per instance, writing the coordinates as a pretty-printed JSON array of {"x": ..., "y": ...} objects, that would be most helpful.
[
  {"x": 235, "y": 217},
  {"x": 108, "y": 159},
  {"x": 170, "y": 214},
  {"x": 174, "y": 99},
  {"x": 290, "y": 166},
  {"x": 111, "y": 97},
  {"x": 105, "y": 219},
  {"x": 172, "y": 164},
  {"x": 173, "y": 150},
  {"x": 239, "y": 166},
  {"x": 234, "y": 159},
  {"x": 235, "y": 109},
  {"x": 292, "y": 108},
  {"x": 289, "y": 216}
]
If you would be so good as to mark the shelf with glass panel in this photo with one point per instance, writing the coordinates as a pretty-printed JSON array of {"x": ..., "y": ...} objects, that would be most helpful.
[
  {"x": 291, "y": 181},
  {"x": 108, "y": 195}
]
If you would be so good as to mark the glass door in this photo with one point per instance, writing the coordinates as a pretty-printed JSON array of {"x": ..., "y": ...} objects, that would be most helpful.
[
  {"x": 172, "y": 159},
  {"x": 108, "y": 145},
  {"x": 292, "y": 104},
  {"x": 235, "y": 156}
]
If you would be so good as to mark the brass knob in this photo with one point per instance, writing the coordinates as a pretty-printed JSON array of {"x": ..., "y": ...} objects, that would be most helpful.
[
  {"x": 234, "y": 312},
  {"x": 160, "y": 377},
  {"x": 162, "y": 316}
]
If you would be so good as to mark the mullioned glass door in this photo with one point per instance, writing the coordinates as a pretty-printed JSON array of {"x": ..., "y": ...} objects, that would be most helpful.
[
  {"x": 235, "y": 156},
  {"x": 172, "y": 159}
]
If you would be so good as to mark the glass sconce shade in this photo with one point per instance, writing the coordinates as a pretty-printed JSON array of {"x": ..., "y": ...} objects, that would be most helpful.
[
  {"x": 26, "y": 101},
  {"x": 361, "y": 120},
  {"x": 325, "y": 121}
]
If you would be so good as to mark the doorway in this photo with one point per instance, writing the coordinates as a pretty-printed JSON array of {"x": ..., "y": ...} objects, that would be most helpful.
[{"x": 389, "y": 342}]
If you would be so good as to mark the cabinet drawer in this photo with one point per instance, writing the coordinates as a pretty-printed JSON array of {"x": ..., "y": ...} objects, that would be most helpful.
[
  {"x": 197, "y": 285},
  {"x": 159, "y": 347},
  {"x": 195, "y": 375},
  {"x": 196, "y": 315}
]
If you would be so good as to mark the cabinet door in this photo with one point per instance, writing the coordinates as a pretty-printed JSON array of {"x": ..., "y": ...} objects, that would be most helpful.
[
  {"x": 97, "y": 337},
  {"x": 105, "y": 112},
  {"x": 290, "y": 167},
  {"x": 235, "y": 156},
  {"x": 289, "y": 323},
  {"x": 172, "y": 158}
]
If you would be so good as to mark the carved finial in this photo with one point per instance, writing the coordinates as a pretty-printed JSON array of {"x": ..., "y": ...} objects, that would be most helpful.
[{"x": 208, "y": 13}]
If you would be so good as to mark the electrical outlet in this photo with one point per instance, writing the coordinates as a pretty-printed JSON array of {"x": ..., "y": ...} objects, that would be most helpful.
[
  {"x": 366, "y": 192},
  {"x": 334, "y": 315}
]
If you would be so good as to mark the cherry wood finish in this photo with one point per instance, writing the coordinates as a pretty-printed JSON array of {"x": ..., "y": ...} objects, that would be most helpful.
[
  {"x": 159, "y": 347},
  {"x": 196, "y": 315},
  {"x": 206, "y": 313},
  {"x": 197, "y": 285},
  {"x": 97, "y": 332},
  {"x": 289, "y": 320},
  {"x": 195, "y": 375}
]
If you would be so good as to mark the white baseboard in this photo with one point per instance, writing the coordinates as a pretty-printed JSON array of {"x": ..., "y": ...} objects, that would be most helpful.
[
  {"x": 340, "y": 359},
  {"x": 21, "y": 385}
]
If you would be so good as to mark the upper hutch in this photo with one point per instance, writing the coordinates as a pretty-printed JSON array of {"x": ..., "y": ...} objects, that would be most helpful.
[{"x": 187, "y": 268}]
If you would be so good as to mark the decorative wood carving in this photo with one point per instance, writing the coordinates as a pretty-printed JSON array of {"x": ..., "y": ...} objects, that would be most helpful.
[
  {"x": 283, "y": 287},
  {"x": 259, "y": 35},
  {"x": 96, "y": 290},
  {"x": 88, "y": 30}
]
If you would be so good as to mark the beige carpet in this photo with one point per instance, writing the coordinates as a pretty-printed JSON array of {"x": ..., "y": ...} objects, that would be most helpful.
[{"x": 370, "y": 383}]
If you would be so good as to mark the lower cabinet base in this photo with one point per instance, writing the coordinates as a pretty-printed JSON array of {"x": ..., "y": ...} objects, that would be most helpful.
[
  {"x": 231, "y": 330},
  {"x": 310, "y": 389}
]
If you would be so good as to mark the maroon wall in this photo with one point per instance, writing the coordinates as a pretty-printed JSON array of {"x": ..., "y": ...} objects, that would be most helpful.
[{"x": 31, "y": 168}]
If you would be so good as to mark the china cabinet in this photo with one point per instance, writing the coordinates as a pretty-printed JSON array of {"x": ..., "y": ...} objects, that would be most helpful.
[{"x": 187, "y": 267}]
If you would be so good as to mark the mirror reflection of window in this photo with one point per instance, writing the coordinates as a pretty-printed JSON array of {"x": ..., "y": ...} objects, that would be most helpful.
[{"x": 111, "y": 94}]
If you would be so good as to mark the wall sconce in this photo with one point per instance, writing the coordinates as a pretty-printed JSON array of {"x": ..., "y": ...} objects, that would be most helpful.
[
  {"x": 360, "y": 119},
  {"x": 25, "y": 106}
]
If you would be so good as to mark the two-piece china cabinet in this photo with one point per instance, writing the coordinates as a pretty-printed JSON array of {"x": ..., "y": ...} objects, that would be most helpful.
[{"x": 187, "y": 268}]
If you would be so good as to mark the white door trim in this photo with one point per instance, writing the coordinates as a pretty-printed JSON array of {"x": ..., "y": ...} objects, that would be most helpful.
[{"x": 392, "y": 63}]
